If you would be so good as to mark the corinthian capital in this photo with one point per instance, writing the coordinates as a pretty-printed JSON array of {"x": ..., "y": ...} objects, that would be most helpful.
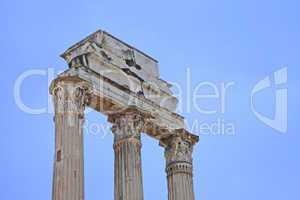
[
  {"x": 179, "y": 147},
  {"x": 128, "y": 123},
  {"x": 70, "y": 96}
]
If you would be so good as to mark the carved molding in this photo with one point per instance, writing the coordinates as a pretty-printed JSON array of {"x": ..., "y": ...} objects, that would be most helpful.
[
  {"x": 178, "y": 149},
  {"x": 70, "y": 97},
  {"x": 180, "y": 167},
  {"x": 178, "y": 153},
  {"x": 128, "y": 124}
]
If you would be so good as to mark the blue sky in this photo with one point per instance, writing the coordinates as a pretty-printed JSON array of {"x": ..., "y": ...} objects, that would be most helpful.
[{"x": 219, "y": 41}]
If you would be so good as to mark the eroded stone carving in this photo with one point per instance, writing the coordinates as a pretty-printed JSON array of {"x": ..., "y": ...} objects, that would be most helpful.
[
  {"x": 179, "y": 146},
  {"x": 179, "y": 150},
  {"x": 128, "y": 124},
  {"x": 70, "y": 97},
  {"x": 123, "y": 64}
]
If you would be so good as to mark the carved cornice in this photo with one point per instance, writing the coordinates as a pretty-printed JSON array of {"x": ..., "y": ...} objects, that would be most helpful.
[{"x": 95, "y": 39}]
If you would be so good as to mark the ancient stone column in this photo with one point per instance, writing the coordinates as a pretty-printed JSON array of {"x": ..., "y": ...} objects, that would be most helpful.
[
  {"x": 70, "y": 97},
  {"x": 179, "y": 167},
  {"x": 127, "y": 130}
]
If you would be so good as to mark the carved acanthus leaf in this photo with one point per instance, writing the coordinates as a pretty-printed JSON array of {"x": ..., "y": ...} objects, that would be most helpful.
[{"x": 178, "y": 150}]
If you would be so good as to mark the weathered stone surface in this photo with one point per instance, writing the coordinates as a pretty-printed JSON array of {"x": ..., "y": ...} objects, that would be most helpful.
[
  {"x": 108, "y": 97},
  {"x": 179, "y": 165},
  {"x": 123, "y": 83},
  {"x": 127, "y": 128},
  {"x": 70, "y": 98},
  {"x": 123, "y": 64}
]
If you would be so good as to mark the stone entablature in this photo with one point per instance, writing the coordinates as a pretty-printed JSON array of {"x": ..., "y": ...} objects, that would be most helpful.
[{"x": 107, "y": 96}]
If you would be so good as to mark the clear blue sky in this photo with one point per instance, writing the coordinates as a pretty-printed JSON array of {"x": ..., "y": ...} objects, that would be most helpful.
[{"x": 220, "y": 41}]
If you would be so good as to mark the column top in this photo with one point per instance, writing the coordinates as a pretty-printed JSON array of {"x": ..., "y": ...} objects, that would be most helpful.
[
  {"x": 64, "y": 78},
  {"x": 168, "y": 133},
  {"x": 183, "y": 134},
  {"x": 132, "y": 109}
]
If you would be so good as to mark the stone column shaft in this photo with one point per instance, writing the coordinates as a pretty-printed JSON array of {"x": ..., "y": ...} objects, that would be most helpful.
[
  {"x": 127, "y": 146},
  {"x": 68, "y": 177},
  {"x": 180, "y": 182}
]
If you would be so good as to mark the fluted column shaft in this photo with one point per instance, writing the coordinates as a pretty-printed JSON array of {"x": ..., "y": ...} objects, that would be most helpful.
[
  {"x": 127, "y": 146},
  {"x": 179, "y": 168},
  {"x": 68, "y": 177}
]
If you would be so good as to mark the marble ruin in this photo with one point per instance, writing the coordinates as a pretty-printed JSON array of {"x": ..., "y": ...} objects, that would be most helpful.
[{"x": 122, "y": 83}]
